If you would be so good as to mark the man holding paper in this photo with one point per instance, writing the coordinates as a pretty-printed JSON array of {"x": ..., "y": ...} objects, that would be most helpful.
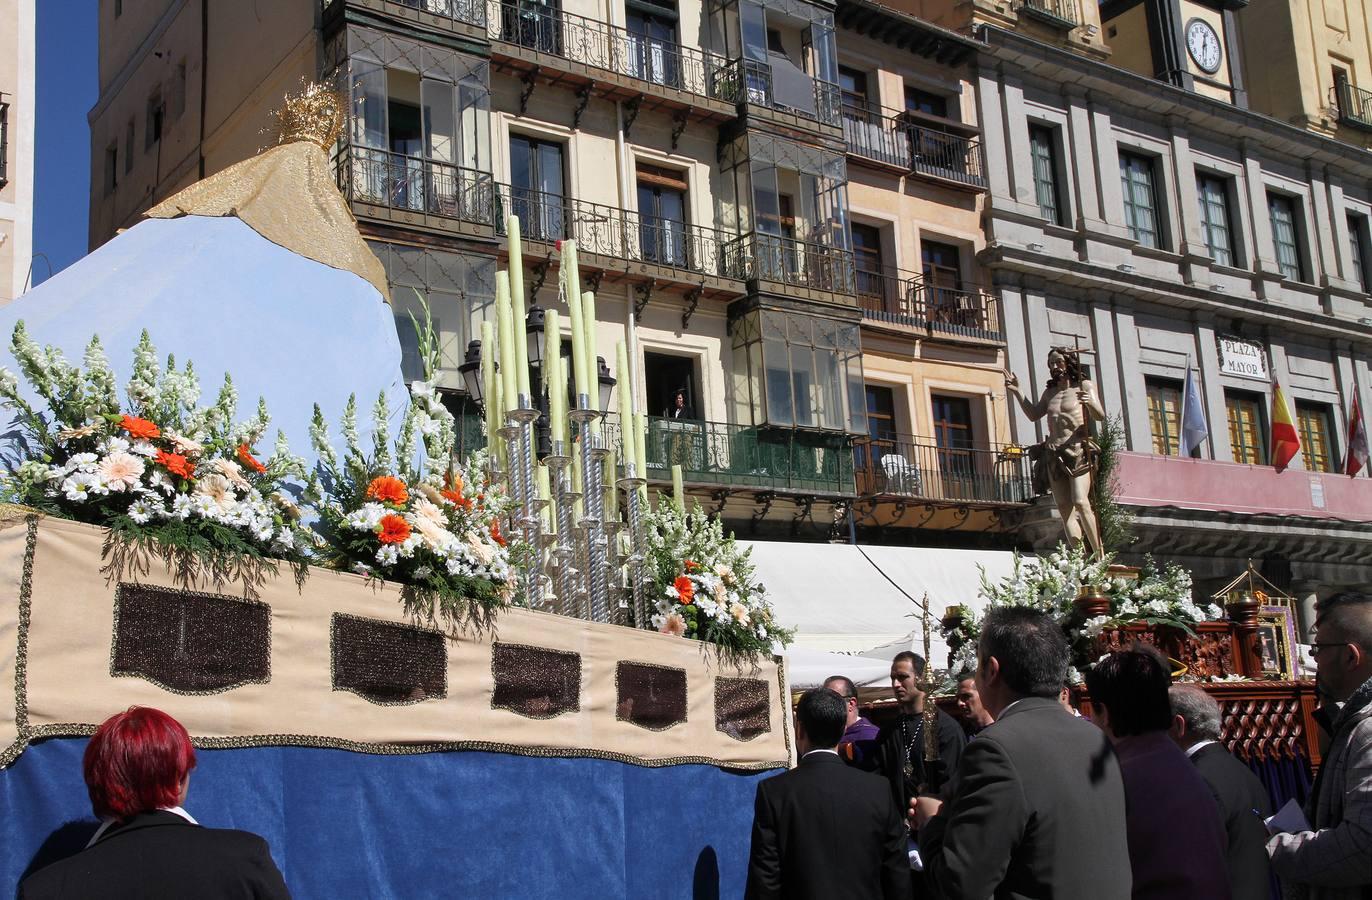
[{"x": 1332, "y": 856}]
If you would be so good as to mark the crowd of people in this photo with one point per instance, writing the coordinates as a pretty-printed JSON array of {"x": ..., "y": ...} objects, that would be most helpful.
[{"x": 1025, "y": 798}]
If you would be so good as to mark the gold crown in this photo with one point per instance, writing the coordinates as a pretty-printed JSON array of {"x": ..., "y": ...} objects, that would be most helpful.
[{"x": 314, "y": 114}]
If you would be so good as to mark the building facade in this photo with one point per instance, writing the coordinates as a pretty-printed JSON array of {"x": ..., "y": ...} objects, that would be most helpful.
[
  {"x": 1157, "y": 228},
  {"x": 16, "y": 146}
]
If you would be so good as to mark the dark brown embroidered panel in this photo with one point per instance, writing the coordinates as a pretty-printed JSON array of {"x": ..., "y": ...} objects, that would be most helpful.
[
  {"x": 388, "y": 663},
  {"x": 649, "y": 696},
  {"x": 189, "y": 642},
  {"x": 534, "y": 681},
  {"x": 742, "y": 708}
]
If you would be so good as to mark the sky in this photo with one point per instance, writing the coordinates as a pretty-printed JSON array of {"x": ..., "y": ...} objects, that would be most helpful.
[{"x": 67, "y": 87}]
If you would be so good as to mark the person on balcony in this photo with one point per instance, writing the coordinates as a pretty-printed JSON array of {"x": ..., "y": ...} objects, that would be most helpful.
[
  {"x": 1332, "y": 859},
  {"x": 679, "y": 408},
  {"x": 1065, "y": 463}
]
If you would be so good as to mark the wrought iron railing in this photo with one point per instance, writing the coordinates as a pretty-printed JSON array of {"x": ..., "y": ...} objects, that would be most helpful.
[
  {"x": 1062, "y": 13},
  {"x": 621, "y": 233},
  {"x": 1355, "y": 104},
  {"x": 789, "y": 261},
  {"x": 905, "y": 298},
  {"x": 610, "y": 48},
  {"x": 746, "y": 456},
  {"x": 897, "y": 141},
  {"x": 919, "y": 468},
  {"x": 383, "y": 178},
  {"x": 471, "y": 12},
  {"x": 752, "y": 81}
]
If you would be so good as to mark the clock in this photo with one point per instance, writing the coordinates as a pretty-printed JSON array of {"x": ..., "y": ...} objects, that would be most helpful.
[{"x": 1203, "y": 45}]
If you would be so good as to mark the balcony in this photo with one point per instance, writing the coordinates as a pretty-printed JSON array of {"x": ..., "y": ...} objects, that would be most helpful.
[
  {"x": 781, "y": 87},
  {"x": 1355, "y": 105},
  {"x": 661, "y": 249},
  {"x": 900, "y": 142},
  {"x": 914, "y": 468},
  {"x": 793, "y": 263},
  {"x": 1058, "y": 13},
  {"x": 465, "y": 16},
  {"x": 907, "y": 301},
  {"x": 530, "y": 37},
  {"x": 747, "y": 457},
  {"x": 414, "y": 191}
]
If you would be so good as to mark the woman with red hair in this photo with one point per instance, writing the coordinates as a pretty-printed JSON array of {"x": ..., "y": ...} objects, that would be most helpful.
[{"x": 138, "y": 769}]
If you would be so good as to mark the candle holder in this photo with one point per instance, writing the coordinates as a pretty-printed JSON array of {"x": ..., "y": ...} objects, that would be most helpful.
[
  {"x": 632, "y": 486},
  {"x": 559, "y": 463},
  {"x": 522, "y": 462},
  {"x": 593, "y": 455}
]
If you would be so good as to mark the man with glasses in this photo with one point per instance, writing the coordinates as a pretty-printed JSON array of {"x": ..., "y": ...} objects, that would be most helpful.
[
  {"x": 859, "y": 744},
  {"x": 1332, "y": 860}
]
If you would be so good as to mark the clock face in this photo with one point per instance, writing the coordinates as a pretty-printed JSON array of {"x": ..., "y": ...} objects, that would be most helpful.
[{"x": 1203, "y": 45}]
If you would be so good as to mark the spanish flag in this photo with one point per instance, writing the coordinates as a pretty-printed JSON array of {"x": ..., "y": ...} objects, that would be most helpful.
[{"x": 1286, "y": 443}]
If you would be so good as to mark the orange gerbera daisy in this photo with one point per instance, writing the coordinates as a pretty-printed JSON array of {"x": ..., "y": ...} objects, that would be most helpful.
[
  {"x": 495, "y": 533},
  {"x": 394, "y": 530},
  {"x": 245, "y": 456},
  {"x": 388, "y": 489},
  {"x": 685, "y": 589},
  {"x": 140, "y": 428},
  {"x": 176, "y": 464},
  {"x": 453, "y": 492}
]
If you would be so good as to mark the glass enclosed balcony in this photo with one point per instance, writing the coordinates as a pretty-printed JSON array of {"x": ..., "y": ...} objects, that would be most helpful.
[
  {"x": 787, "y": 204},
  {"x": 798, "y": 371},
  {"x": 782, "y": 57}
]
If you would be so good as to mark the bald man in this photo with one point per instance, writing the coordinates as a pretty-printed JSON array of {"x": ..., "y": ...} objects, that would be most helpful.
[{"x": 1333, "y": 860}]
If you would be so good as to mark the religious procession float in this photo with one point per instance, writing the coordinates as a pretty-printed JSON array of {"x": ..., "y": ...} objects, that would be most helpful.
[{"x": 415, "y": 672}]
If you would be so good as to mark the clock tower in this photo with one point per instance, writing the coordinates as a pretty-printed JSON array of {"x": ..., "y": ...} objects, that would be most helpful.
[{"x": 1192, "y": 44}]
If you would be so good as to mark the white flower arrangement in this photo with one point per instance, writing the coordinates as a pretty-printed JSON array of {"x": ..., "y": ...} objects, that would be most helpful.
[
  {"x": 157, "y": 467},
  {"x": 704, "y": 586}
]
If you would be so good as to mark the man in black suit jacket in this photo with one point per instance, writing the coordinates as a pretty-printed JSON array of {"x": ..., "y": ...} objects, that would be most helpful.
[
  {"x": 160, "y": 854},
  {"x": 1242, "y": 799},
  {"x": 825, "y": 830},
  {"x": 137, "y": 769},
  {"x": 1038, "y": 806}
]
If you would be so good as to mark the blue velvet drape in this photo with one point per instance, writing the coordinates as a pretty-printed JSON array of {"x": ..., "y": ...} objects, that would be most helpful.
[
  {"x": 1284, "y": 779},
  {"x": 461, "y": 824}
]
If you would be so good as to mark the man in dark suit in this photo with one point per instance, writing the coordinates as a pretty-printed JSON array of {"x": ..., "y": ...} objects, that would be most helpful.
[
  {"x": 1038, "y": 806},
  {"x": 825, "y": 830},
  {"x": 1176, "y": 837},
  {"x": 137, "y": 769},
  {"x": 1242, "y": 799}
]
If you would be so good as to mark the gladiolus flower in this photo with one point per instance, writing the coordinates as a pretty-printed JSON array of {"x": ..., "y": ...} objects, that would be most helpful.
[
  {"x": 685, "y": 589},
  {"x": 495, "y": 533},
  {"x": 394, "y": 530},
  {"x": 176, "y": 464},
  {"x": 388, "y": 489},
  {"x": 140, "y": 428},
  {"x": 246, "y": 458},
  {"x": 692, "y": 566},
  {"x": 453, "y": 492}
]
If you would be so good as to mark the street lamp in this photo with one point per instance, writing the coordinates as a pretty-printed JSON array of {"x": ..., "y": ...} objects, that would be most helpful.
[
  {"x": 607, "y": 384},
  {"x": 471, "y": 372},
  {"x": 533, "y": 326}
]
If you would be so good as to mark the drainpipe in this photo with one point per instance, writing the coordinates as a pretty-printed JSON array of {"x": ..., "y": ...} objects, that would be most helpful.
[{"x": 621, "y": 156}]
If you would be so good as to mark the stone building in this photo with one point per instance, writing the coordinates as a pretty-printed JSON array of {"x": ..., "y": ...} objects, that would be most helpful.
[{"x": 16, "y": 146}]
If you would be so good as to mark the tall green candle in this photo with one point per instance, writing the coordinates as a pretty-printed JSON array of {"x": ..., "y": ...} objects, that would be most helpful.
[
  {"x": 678, "y": 491},
  {"x": 592, "y": 370},
  {"x": 517, "y": 307},
  {"x": 628, "y": 428},
  {"x": 571, "y": 288},
  {"x": 509, "y": 364},
  {"x": 556, "y": 379}
]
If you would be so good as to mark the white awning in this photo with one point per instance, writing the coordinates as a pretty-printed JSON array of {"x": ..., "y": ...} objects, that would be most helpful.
[{"x": 863, "y": 600}]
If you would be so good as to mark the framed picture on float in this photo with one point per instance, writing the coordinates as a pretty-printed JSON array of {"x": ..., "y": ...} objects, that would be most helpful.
[{"x": 1276, "y": 640}]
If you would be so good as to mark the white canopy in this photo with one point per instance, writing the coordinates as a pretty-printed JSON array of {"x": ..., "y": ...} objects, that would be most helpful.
[{"x": 850, "y": 599}]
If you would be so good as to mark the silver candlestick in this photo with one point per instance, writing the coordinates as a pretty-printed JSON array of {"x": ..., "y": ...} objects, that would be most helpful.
[
  {"x": 559, "y": 462},
  {"x": 631, "y": 484},
  {"x": 593, "y": 455}
]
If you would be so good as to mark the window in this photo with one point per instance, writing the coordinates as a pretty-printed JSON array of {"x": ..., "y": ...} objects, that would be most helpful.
[
  {"x": 1285, "y": 236},
  {"x": 953, "y": 438},
  {"x": 118, "y": 8},
  {"x": 4, "y": 144},
  {"x": 111, "y": 167},
  {"x": 653, "y": 52},
  {"x": 774, "y": 43},
  {"x": 1043, "y": 148},
  {"x": 662, "y": 215},
  {"x": 1164, "y": 415},
  {"x": 156, "y": 110},
  {"x": 921, "y": 101},
  {"x": 868, "y": 263},
  {"x": 1340, "y": 75},
  {"x": 1140, "y": 199},
  {"x": 1358, "y": 256},
  {"x": 1214, "y": 215},
  {"x": 942, "y": 270},
  {"x": 128, "y": 147},
  {"x": 1244, "y": 412},
  {"x": 853, "y": 84},
  {"x": 1312, "y": 423},
  {"x": 536, "y": 186}
]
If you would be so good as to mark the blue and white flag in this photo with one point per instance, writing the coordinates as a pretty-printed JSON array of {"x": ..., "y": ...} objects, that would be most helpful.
[{"x": 1193, "y": 427}]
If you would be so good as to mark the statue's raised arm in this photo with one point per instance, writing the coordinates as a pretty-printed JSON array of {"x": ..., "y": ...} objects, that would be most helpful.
[{"x": 1034, "y": 410}]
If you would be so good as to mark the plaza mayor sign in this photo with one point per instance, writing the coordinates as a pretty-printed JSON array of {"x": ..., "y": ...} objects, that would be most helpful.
[{"x": 1243, "y": 358}]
